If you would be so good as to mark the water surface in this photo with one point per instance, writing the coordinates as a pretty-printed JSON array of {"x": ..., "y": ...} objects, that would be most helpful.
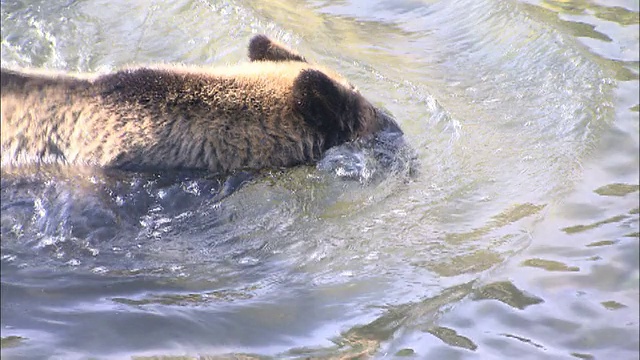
[{"x": 515, "y": 235}]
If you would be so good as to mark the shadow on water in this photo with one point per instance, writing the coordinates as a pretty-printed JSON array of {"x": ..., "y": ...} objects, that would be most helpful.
[{"x": 73, "y": 212}]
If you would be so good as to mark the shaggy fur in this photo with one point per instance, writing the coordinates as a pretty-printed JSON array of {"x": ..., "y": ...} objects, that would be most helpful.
[{"x": 275, "y": 111}]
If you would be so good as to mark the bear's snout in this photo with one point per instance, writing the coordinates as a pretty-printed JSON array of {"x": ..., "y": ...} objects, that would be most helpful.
[{"x": 388, "y": 123}]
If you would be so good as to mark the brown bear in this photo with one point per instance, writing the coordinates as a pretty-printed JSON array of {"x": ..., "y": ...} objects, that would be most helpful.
[{"x": 276, "y": 111}]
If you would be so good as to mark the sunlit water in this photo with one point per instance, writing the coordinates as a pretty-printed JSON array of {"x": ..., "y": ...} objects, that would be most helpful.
[{"x": 508, "y": 229}]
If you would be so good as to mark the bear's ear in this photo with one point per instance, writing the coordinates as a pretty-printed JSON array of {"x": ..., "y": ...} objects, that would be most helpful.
[
  {"x": 327, "y": 106},
  {"x": 261, "y": 48}
]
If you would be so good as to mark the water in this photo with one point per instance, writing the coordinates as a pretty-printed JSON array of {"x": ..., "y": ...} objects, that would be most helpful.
[{"x": 515, "y": 235}]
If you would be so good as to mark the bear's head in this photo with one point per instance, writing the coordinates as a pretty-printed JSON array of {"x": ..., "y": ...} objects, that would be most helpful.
[{"x": 325, "y": 99}]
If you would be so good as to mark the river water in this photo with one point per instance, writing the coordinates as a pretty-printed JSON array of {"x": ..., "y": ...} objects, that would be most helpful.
[{"x": 513, "y": 232}]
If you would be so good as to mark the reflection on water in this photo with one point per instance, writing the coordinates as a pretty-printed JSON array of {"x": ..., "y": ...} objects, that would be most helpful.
[{"x": 507, "y": 226}]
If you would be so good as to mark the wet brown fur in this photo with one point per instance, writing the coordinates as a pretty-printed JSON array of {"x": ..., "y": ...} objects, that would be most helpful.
[{"x": 276, "y": 111}]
